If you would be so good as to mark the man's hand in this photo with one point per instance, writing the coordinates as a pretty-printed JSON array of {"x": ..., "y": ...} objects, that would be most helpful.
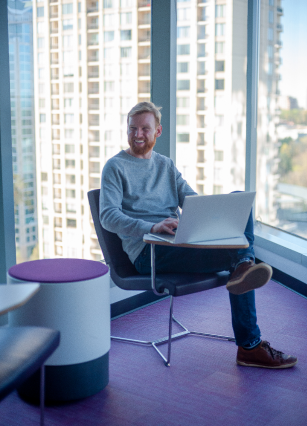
[{"x": 167, "y": 225}]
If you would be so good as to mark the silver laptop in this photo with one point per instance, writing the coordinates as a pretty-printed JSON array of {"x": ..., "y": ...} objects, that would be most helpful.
[{"x": 212, "y": 219}]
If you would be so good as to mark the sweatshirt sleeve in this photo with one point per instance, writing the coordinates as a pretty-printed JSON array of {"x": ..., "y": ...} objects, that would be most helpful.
[{"x": 111, "y": 215}]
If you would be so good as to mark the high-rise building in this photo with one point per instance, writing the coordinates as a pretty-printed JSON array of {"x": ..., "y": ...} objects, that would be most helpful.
[
  {"x": 92, "y": 64},
  {"x": 23, "y": 128}
]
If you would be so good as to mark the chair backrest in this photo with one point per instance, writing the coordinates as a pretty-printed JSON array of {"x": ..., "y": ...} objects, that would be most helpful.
[{"x": 110, "y": 243}]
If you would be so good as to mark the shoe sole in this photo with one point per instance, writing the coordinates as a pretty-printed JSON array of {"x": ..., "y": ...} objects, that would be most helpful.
[
  {"x": 256, "y": 277},
  {"x": 266, "y": 366}
]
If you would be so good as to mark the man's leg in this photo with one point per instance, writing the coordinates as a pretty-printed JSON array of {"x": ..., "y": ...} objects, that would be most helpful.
[
  {"x": 246, "y": 275},
  {"x": 251, "y": 351}
]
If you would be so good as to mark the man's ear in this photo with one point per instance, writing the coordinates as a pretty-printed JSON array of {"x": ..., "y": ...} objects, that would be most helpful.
[{"x": 159, "y": 131}]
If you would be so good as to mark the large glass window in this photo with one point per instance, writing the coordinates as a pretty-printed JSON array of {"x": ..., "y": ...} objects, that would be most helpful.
[
  {"x": 282, "y": 117},
  {"x": 70, "y": 95},
  {"x": 211, "y": 108}
]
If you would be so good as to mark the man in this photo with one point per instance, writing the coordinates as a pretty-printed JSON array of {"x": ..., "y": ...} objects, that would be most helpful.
[{"x": 140, "y": 193}]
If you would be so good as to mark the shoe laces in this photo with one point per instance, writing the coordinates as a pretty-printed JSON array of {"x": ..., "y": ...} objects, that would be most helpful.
[{"x": 274, "y": 353}]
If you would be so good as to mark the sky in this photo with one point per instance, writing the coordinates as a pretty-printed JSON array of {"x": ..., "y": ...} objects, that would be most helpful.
[{"x": 294, "y": 51}]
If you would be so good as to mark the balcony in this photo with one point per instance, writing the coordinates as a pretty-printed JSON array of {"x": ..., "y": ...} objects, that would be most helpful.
[
  {"x": 144, "y": 52},
  {"x": 93, "y": 88},
  {"x": 92, "y": 7},
  {"x": 93, "y": 24},
  {"x": 54, "y": 58},
  {"x": 144, "y": 18},
  {"x": 54, "y": 28},
  {"x": 93, "y": 104},
  {"x": 55, "y": 119},
  {"x": 144, "y": 3},
  {"x": 93, "y": 120},
  {"x": 54, "y": 74},
  {"x": 56, "y": 149},
  {"x": 56, "y": 164},
  {"x": 280, "y": 11},
  {"x": 54, "y": 12},
  {"x": 55, "y": 89}
]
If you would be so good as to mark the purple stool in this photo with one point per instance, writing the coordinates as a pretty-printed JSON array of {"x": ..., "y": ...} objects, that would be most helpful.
[{"x": 74, "y": 299}]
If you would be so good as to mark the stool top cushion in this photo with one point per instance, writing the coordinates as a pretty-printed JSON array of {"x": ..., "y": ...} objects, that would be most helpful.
[{"x": 59, "y": 270}]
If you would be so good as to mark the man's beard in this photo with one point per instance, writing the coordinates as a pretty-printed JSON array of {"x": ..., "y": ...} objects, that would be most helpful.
[{"x": 142, "y": 150}]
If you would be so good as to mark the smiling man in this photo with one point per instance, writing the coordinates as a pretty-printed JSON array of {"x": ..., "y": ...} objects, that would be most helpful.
[{"x": 141, "y": 191}]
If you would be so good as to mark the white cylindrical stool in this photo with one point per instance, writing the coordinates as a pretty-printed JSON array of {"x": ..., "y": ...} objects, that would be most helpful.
[{"x": 74, "y": 299}]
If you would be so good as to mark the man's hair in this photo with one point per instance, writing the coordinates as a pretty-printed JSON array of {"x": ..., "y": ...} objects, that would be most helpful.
[{"x": 142, "y": 107}]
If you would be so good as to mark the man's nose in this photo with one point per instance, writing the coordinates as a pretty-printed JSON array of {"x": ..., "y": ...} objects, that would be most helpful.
[{"x": 138, "y": 133}]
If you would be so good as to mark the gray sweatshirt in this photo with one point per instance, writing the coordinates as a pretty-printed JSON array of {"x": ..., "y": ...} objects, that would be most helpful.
[{"x": 137, "y": 193}]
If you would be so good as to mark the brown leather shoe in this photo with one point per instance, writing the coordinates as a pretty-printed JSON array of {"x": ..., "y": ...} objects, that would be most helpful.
[
  {"x": 249, "y": 276},
  {"x": 264, "y": 356}
]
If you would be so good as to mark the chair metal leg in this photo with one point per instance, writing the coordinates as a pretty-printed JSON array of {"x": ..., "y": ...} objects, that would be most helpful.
[
  {"x": 42, "y": 394},
  {"x": 171, "y": 337}
]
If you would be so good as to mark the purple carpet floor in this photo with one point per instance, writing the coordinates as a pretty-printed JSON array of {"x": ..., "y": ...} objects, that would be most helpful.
[{"x": 203, "y": 386}]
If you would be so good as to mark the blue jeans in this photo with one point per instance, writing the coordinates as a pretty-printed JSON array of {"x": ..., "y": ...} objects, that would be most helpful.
[{"x": 181, "y": 259}]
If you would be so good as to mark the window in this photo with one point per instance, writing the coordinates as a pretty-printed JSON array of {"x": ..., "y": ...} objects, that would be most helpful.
[
  {"x": 68, "y": 41},
  {"x": 183, "y": 32},
  {"x": 126, "y": 34},
  {"x": 126, "y": 3},
  {"x": 219, "y": 66},
  {"x": 70, "y": 193},
  {"x": 182, "y": 67},
  {"x": 68, "y": 87},
  {"x": 68, "y": 133},
  {"x": 125, "y": 52},
  {"x": 201, "y": 50},
  {"x": 220, "y": 29},
  {"x": 40, "y": 27},
  {"x": 183, "y": 137},
  {"x": 41, "y": 42},
  {"x": 70, "y": 179},
  {"x": 70, "y": 164},
  {"x": 220, "y": 10},
  {"x": 183, "y": 84},
  {"x": 109, "y": 86},
  {"x": 108, "y": 4},
  {"x": 69, "y": 118},
  {"x": 218, "y": 155},
  {"x": 183, "y": 49},
  {"x": 183, "y": 14},
  {"x": 40, "y": 12},
  {"x": 71, "y": 223},
  {"x": 202, "y": 32},
  {"x": 183, "y": 102},
  {"x": 109, "y": 20},
  {"x": 67, "y": 8},
  {"x": 183, "y": 120},
  {"x": 270, "y": 34},
  {"x": 108, "y": 36},
  {"x": 219, "y": 47},
  {"x": 126, "y": 18},
  {"x": 217, "y": 189},
  {"x": 219, "y": 84},
  {"x": 201, "y": 68},
  {"x": 67, "y": 24},
  {"x": 68, "y": 102},
  {"x": 68, "y": 57}
]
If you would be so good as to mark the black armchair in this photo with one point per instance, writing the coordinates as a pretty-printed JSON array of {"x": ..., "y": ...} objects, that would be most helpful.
[{"x": 125, "y": 276}]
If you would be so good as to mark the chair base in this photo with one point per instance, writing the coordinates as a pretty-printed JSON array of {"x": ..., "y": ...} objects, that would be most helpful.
[{"x": 171, "y": 337}]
